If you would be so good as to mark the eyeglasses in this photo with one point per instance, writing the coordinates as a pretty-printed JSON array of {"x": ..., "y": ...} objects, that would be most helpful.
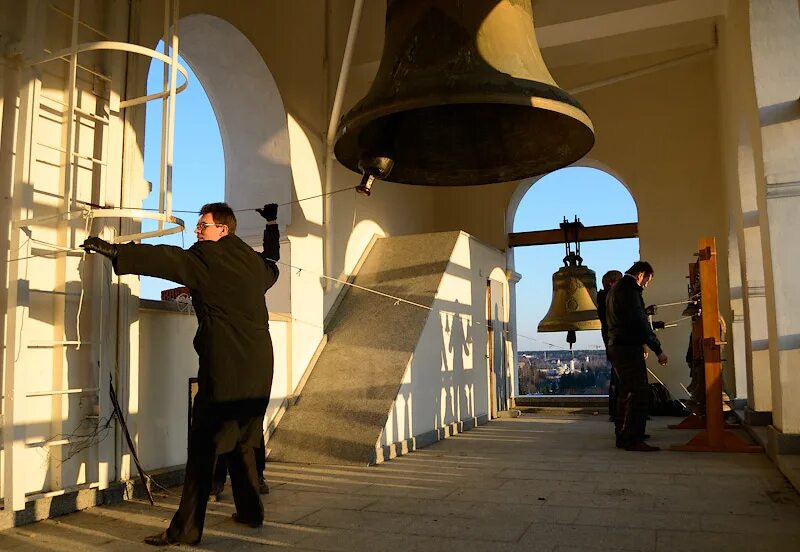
[{"x": 203, "y": 225}]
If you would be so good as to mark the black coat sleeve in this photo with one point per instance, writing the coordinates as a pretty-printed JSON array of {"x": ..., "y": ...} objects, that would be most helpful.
[
  {"x": 271, "y": 253},
  {"x": 163, "y": 261}
]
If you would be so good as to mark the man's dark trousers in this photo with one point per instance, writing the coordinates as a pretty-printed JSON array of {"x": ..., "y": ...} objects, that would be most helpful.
[
  {"x": 221, "y": 469},
  {"x": 187, "y": 523},
  {"x": 613, "y": 384},
  {"x": 633, "y": 394}
]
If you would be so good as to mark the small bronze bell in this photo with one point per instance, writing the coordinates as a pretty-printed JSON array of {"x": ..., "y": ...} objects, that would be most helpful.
[
  {"x": 462, "y": 97},
  {"x": 574, "y": 303}
]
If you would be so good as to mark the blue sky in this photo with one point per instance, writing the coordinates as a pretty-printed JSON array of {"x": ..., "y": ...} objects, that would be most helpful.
[{"x": 595, "y": 196}]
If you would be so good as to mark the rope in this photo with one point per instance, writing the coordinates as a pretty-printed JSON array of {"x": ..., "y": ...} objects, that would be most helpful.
[
  {"x": 346, "y": 283},
  {"x": 196, "y": 211},
  {"x": 83, "y": 289},
  {"x": 691, "y": 299},
  {"x": 673, "y": 323}
]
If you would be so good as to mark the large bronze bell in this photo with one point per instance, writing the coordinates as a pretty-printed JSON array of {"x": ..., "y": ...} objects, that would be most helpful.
[
  {"x": 462, "y": 97},
  {"x": 574, "y": 304}
]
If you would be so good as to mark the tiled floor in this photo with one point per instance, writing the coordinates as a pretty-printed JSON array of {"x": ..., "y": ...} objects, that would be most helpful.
[{"x": 539, "y": 482}]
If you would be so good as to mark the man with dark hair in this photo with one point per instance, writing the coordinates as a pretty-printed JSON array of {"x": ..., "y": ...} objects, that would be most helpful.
[
  {"x": 628, "y": 333},
  {"x": 609, "y": 279},
  {"x": 227, "y": 280}
]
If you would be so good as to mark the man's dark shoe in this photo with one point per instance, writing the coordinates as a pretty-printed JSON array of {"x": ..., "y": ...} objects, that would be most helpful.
[
  {"x": 216, "y": 492},
  {"x": 162, "y": 539},
  {"x": 249, "y": 523},
  {"x": 642, "y": 447},
  {"x": 263, "y": 488}
]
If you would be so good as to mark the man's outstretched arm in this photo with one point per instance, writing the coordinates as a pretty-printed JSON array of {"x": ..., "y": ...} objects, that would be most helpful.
[
  {"x": 161, "y": 261},
  {"x": 272, "y": 248}
]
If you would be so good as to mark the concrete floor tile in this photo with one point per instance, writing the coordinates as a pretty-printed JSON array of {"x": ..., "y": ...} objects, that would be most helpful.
[
  {"x": 500, "y": 496},
  {"x": 537, "y": 473},
  {"x": 358, "y": 520},
  {"x": 543, "y": 488},
  {"x": 751, "y": 505},
  {"x": 440, "y": 544},
  {"x": 703, "y": 541},
  {"x": 614, "y": 499},
  {"x": 631, "y": 478},
  {"x": 500, "y": 530},
  {"x": 319, "y": 500},
  {"x": 343, "y": 540},
  {"x": 759, "y": 525},
  {"x": 646, "y": 489},
  {"x": 645, "y": 519},
  {"x": 588, "y": 537},
  {"x": 422, "y": 507}
]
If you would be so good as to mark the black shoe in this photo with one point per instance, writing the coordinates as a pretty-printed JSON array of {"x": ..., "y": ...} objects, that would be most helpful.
[
  {"x": 216, "y": 492},
  {"x": 642, "y": 447},
  {"x": 249, "y": 523},
  {"x": 263, "y": 488},
  {"x": 162, "y": 539}
]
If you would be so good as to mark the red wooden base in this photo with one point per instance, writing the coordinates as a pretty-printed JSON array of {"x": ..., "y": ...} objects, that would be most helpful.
[
  {"x": 729, "y": 442},
  {"x": 693, "y": 421}
]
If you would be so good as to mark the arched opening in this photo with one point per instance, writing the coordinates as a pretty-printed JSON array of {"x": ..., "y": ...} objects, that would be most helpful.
[
  {"x": 242, "y": 156},
  {"x": 198, "y": 175},
  {"x": 597, "y": 198}
]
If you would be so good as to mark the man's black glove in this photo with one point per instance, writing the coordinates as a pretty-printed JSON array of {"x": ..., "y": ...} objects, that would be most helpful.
[
  {"x": 269, "y": 211},
  {"x": 98, "y": 245}
]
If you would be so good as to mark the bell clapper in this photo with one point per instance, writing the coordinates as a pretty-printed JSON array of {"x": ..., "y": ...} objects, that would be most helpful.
[
  {"x": 371, "y": 168},
  {"x": 366, "y": 184}
]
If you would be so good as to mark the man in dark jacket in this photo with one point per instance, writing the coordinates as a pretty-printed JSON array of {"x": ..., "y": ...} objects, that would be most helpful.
[
  {"x": 628, "y": 333},
  {"x": 227, "y": 280},
  {"x": 609, "y": 279}
]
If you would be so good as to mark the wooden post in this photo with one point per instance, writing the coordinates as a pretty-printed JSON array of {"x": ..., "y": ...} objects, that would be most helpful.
[{"x": 714, "y": 438}]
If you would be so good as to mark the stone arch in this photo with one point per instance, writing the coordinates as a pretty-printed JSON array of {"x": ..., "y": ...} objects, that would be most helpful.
[
  {"x": 525, "y": 186},
  {"x": 251, "y": 117}
]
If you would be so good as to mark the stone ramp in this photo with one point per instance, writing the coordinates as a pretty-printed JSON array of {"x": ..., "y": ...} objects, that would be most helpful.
[{"x": 345, "y": 403}]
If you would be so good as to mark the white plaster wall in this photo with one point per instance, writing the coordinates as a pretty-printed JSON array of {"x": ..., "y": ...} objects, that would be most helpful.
[
  {"x": 166, "y": 362},
  {"x": 305, "y": 234},
  {"x": 447, "y": 378}
]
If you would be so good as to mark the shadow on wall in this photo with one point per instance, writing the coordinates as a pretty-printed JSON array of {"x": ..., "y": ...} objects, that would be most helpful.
[{"x": 454, "y": 397}]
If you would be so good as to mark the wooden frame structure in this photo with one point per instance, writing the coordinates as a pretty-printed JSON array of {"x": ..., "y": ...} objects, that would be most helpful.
[{"x": 715, "y": 437}]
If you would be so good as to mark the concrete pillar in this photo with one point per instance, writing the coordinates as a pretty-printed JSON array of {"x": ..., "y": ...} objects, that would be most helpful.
[
  {"x": 775, "y": 47},
  {"x": 513, "y": 279},
  {"x": 759, "y": 381},
  {"x": 737, "y": 332}
]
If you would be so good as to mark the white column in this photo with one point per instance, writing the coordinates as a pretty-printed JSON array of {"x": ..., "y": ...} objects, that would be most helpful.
[{"x": 775, "y": 46}]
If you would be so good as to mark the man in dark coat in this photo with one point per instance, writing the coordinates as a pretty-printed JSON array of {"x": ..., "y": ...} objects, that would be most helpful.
[
  {"x": 609, "y": 279},
  {"x": 227, "y": 280},
  {"x": 628, "y": 333}
]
